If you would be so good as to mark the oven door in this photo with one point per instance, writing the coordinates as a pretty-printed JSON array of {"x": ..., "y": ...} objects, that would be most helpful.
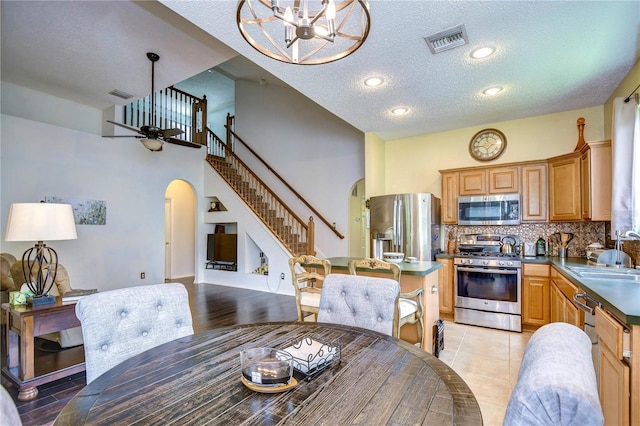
[{"x": 488, "y": 289}]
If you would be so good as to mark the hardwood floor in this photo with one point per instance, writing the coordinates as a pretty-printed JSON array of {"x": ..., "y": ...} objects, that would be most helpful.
[{"x": 211, "y": 306}]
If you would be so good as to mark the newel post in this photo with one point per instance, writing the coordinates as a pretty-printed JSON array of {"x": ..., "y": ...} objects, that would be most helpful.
[{"x": 310, "y": 237}]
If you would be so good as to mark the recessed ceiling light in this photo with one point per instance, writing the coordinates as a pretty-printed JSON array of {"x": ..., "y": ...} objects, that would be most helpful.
[
  {"x": 482, "y": 52},
  {"x": 373, "y": 81},
  {"x": 492, "y": 90},
  {"x": 400, "y": 111}
]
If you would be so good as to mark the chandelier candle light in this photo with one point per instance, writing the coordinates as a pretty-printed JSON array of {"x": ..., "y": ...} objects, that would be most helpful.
[
  {"x": 40, "y": 222},
  {"x": 292, "y": 31}
]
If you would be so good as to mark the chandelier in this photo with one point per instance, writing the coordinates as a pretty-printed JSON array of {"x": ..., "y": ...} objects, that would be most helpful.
[{"x": 304, "y": 32}]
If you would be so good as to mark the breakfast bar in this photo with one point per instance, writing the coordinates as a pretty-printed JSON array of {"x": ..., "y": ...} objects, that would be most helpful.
[{"x": 420, "y": 274}]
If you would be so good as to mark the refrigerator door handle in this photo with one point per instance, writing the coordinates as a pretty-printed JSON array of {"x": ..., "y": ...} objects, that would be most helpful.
[{"x": 399, "y": 227}]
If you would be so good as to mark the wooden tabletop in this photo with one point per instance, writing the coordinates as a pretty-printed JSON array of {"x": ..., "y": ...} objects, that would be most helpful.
[{"x": 196, "y": 380}]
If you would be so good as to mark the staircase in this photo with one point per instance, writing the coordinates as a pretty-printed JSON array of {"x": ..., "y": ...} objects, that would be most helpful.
[
  {"x": 285, "y": 225},
  {"x": 296, "y": 235}
]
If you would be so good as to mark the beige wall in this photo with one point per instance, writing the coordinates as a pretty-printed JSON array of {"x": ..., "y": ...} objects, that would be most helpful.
[
  {"x": 374, "y": 160},
  {"x": 413, "y": 164},
  {"x": 623, "y": 90}
]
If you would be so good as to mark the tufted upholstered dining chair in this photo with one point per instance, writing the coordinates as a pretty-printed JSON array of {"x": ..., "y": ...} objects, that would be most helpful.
[
  {"x": 410, "y": 307},
  {"x": 307, "y": 275},
  {"x": 8, "y": 411},
  {"x": 119, "y": 324},
  {"x": 360, "y": 301}
]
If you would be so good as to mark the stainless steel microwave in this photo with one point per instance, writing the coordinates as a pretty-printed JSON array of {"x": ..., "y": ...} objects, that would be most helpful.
[{"x": 489, "y": 210}]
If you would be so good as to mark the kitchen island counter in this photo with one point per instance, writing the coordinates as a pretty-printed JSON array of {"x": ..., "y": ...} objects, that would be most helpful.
[{"x": 421, "y": 274}]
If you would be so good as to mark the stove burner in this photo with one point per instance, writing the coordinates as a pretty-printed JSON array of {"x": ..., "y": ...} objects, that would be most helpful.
[{"x": 485, "y": 254}]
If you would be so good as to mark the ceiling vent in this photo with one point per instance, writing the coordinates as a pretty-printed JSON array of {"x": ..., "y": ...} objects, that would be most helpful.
[
  {"x": 447, "y": 39},
  {"x": 120, "y": 94}
]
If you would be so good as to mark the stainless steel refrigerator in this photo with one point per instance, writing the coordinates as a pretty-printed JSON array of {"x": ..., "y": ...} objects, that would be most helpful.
[{"x": 406, "y": 223}]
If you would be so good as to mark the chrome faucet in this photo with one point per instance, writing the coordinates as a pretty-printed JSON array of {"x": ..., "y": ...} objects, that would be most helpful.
[
  {"x": 630, "y": 234},
  {"x": 625, "y": 234}
]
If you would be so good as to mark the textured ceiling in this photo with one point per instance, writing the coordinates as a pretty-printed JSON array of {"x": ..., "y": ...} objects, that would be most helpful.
[{"x": 550, "y": 56}]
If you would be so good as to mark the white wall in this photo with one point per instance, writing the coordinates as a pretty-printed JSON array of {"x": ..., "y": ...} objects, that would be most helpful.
[
  {"x": 39, "y": 159},
  {"x": 182, "y": 228},
  {"x": 320, "y": 155}
]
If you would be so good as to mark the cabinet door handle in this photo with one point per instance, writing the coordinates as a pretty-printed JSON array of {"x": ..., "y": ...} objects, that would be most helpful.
[{"x": 434, "y": 289}]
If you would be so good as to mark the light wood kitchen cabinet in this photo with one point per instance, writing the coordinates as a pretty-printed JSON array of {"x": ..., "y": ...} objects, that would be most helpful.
[
  {"x": 535, "y": 294},
  {"x": 614, "y": 386},
  {"x": 597, "y": 177},
  {"x": 564, "y": 188},
  {"x": 472, "y": 182},
  {"x": 534, "y": 192},
  {"x": 562, "y": 307},
  {"x": 445, "y": 287},
  {"x": 504, "y": 180},
  {"x": 580, "y": 184},
  {"x": 449, "y": 201}
]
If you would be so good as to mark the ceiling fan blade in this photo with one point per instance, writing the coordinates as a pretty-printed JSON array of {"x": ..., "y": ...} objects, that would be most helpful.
[
  {"x": 133, "y": 129},
  {"x": 181, "y": 142},
  {"x": 167, "y": 133},
  {"x": 122, "y": 136}
]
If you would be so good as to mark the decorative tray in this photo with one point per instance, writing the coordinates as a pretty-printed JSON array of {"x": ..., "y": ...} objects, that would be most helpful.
[{"x": 312, "y": 354}]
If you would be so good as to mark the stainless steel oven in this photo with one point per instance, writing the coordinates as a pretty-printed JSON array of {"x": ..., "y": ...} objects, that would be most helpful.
[{"x": 488, "y": 287}]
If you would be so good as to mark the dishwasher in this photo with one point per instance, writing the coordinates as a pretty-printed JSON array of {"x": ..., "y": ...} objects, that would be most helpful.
[{"x": 588, "y": 305}]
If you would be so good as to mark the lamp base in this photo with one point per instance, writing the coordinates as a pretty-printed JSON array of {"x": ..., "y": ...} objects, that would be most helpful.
[{"x": 43, "y": 300}]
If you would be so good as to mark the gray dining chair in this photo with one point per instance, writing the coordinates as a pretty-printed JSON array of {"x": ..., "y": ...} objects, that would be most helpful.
[
  {"x": 119, "y": 324},
  {"x": 8, "y": 411},
  {"x": 360, "y": 301}
]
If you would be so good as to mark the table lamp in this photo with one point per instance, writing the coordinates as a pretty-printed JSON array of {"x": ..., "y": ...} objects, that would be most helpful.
[{"x": 39, "y": 222}]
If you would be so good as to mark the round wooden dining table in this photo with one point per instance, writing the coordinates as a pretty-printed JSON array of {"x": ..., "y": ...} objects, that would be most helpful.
[{"x": 196, "y": 380}]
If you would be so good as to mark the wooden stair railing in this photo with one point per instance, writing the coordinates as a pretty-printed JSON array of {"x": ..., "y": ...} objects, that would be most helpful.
[
  {"x": 170, "y": 104},
  {"x": 232, "y": 136},
  {"x": 288, "y": 228}
]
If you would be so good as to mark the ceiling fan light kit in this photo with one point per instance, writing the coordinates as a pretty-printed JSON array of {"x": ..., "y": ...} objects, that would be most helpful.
[
  {"x": 304, "y": 32},
  {"x": 153, "y": 137}
]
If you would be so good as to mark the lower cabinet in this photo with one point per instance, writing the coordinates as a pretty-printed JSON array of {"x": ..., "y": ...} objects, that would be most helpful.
[
  {"x": 562, "y": 307},
  {"x": 445, "y": 288},
  {"x": 535, "y": 294},
  {"x": 614, "y": 386}
]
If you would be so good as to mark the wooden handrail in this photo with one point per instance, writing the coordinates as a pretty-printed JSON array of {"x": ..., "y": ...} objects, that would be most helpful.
[
  {"x": 270, "y": 208},
  {"x": 305, "y": 202}
]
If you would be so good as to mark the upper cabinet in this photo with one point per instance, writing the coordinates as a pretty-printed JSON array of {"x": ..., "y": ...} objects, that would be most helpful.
[
  {"x": 449, "y": 201},
  {"x": 534, "y": 192},
  {"x": 504, "y": 180},
  {"x": 580, "y": 184}
]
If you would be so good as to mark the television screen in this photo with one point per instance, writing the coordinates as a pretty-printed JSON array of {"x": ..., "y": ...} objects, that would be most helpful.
[{"x": 222, "y": 248}]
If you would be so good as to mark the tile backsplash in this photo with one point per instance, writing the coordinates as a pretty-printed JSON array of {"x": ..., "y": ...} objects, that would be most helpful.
[{"x": 584, "y": 233}]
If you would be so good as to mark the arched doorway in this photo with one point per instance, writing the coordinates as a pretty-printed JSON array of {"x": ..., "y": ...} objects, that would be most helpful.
[
  {"x": 180, "y": 230},
  {"x": 357, "y": 221}
]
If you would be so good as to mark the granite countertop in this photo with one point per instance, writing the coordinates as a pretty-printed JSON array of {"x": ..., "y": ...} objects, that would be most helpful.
[
  {"x": 418, "y": 268},
  {"x": 620, "y": 297}
]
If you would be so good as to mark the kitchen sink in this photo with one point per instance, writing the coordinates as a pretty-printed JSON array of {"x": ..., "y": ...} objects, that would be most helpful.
[{"x": 606, "y": 273}]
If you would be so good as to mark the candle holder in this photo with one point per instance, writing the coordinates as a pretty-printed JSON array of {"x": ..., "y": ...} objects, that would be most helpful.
[{"x": 266, "y": 368}]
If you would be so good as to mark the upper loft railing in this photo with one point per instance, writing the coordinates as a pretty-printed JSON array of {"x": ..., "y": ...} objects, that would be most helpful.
[
  {"x": 232, "y": 137},
  {"x": 173, "y": 109}
]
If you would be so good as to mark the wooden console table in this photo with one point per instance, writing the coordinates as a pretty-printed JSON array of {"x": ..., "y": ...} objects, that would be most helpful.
[{"x": 24, "y": 323}]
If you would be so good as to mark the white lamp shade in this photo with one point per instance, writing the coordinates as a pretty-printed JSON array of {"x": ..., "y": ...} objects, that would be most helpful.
[{"x": 40, "y": 222}]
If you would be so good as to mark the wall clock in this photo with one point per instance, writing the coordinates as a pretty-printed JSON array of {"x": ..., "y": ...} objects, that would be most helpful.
[{"x": 487, "y": 144}]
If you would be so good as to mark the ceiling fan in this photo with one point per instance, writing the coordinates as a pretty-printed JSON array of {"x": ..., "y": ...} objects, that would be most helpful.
[{"x": 153, "y": 137}]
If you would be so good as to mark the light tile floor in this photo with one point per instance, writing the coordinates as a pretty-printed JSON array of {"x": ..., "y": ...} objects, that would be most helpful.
[{"x": 488, "y": 361}]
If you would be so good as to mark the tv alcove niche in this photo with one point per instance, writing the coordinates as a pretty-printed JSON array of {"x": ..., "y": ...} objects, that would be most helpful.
[{"x": 222, "y": 251}]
